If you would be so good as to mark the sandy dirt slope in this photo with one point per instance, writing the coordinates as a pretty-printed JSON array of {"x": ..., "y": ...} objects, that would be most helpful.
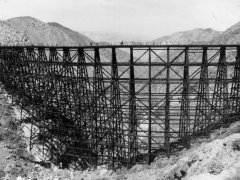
[
  {"x": 213, "y": 158},
  {"x": 14, "y": 158}
]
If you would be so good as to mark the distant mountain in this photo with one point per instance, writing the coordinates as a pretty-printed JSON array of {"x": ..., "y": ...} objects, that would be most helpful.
[
  {"x": 113, "y": 37},
  {"x": 230, "y": 36},
  {"x": 195, "y": 36}
]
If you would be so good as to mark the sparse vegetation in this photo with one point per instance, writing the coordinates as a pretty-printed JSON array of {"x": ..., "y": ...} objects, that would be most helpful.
[
  {"x": 237, "y": 177},
  {"x": 215, "y": 167},
  {"x": 236, "y": 145}
]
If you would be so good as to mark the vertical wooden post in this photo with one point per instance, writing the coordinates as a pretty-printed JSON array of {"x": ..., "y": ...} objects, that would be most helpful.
[
  {"x": 167, "y": 108},
  {"x": 132, "y": 114},
  {"x": 149, "y": 108},
  {"x": 184, "y": 124}
]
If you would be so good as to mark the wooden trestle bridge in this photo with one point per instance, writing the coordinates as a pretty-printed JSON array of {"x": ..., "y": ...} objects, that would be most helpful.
[{"x": 117, "y": 105}]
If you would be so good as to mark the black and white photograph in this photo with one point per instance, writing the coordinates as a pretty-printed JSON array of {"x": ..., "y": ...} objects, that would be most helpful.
[{"x": 119, "y": 90}]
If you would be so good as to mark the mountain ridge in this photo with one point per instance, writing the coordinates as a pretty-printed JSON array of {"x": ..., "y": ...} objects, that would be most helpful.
[
  {"x": 113, "y": 37},
  {"x": 194, "y": 36},
  {"x": 230, "y": 36},
  {"x": 72, "y": 34},
  {"x": 27, "y": 30}
]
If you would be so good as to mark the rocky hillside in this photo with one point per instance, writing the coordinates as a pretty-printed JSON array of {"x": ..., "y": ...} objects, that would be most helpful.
[
  {"x": 10, "y": 36},
  {"x": 202, "y": 36},
  {"x": 213, "y": 158},
  {"x": 195, "y": 36},
  {"x": 230, "y": 36},
  {"x": 28, "y": 30},
  {"x": 80, "y": 39}
]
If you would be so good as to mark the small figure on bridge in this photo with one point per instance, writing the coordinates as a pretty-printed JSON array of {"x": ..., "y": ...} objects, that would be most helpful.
[{"x": 121, "y": 43}]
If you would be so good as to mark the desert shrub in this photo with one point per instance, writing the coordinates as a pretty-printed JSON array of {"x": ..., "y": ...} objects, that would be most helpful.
[
  {"x": 181, "y": 169},
  {"x": 177, "y": 172},
  {"x": 237, "y": 177},
  {"x": 236, "y": 145},
  {"x": 235, "y": 129},
  {"x": 22, "y": 153},
  {"x": 192, "y": 158},
  {"x": 13, "y": 125},
  {"x": 137, "y": 168},
  {"x": 215, "y": 167},
  {"x": 221, "y": 131},
  {"x": 120, "y": 177},
  {"x": 2, "y": 174}
]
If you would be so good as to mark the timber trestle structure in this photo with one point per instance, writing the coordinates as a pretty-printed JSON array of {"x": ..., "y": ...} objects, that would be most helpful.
[{"x": 119, "y": 105}]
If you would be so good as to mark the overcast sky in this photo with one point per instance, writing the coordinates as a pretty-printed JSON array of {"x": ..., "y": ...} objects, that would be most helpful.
[{"x": 152, "y": 18}]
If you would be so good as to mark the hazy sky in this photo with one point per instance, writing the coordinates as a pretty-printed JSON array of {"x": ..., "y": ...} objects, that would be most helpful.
[{"x": 152, "y": 18}]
